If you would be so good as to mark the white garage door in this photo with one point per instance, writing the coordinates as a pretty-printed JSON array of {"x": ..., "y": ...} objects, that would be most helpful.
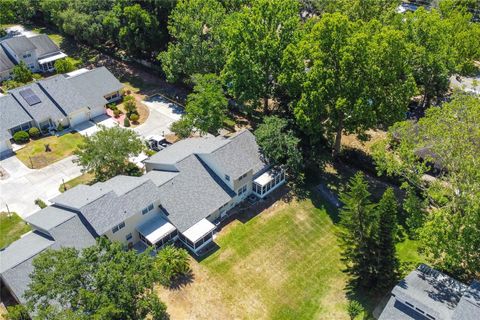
[
  {"x": 97, "y": 111},
  {"x": 78, "y": 118},
  {"x": 5, "y": 146}
]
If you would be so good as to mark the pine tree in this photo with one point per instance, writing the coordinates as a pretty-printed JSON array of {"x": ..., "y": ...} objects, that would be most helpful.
[
  {"x": 387, "y": 262},
  {"x": 357, "y": 218}
]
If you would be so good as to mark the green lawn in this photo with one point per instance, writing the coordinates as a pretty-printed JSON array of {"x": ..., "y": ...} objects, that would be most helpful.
[
  {"x": 85, "y": 178},
  {"x": 282, "y": 264},
  {"x": 11, "y": 228},
  {"x": 33, "y": 155}
]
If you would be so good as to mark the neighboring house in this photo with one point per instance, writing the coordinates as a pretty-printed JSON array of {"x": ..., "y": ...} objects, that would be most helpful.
[
  {"x": 39, "y": 53},
  {"x": 6, "y": 65},
  {"x": 186, "y": 192},
  {"x": 61, "y": 99},
  {"x": 466, "y": 84},
  {"x": 427, "y": 294}
]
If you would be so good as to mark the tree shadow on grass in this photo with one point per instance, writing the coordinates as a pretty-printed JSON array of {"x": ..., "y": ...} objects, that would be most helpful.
[
  {"x": 182, "y": 281},
  {"x": 372, "y": 300}
]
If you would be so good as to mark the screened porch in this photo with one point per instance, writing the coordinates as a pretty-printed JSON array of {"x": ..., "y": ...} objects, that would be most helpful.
[{"x": 268, "y": 181}]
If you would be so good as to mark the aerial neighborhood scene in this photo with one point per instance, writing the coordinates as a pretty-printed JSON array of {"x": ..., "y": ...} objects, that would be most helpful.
[{"x": 239, "y": 159}]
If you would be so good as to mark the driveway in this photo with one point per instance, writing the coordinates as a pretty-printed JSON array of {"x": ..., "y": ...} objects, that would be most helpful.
[
  {"x": 162, "y": 114},
  {"x": 88, "y": 128},
  {"x": 24, "y": 185}
]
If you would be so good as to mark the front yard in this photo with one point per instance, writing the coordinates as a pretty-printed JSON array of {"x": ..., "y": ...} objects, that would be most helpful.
[
  {"x": 11, "y": 228},
  {"x": 86, "y": 178},
  {"x": 34, "y": 156},
  {"x": 282, "y": 264}
]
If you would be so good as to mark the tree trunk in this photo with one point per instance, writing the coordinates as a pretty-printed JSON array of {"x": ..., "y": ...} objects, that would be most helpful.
[
  {"x": 338, "y": 139},
  {"x": 266, "y": 111}
]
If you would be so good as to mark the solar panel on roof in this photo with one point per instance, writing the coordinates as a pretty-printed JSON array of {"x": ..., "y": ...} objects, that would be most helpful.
[{"x": 30, "y": 97}]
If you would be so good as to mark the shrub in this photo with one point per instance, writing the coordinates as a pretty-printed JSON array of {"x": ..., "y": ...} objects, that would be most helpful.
[
  {"x": 39, "y": 202},
  {"x": 21, "y": 137},
  {"x": 34, "y": 132},
  {"x": 126, "y": 122},
  {"x": 60, "y": 127},
  {"x": 133, "y": 170},
  {"x": 354, "y": 308},
  {"x": 134, "y": 117},
  {"x": 182, "y": 128},
  {"x": 17, "y": 312},
  {"x": 111, "y": 106},
  {"x": 116, "y": 113}
]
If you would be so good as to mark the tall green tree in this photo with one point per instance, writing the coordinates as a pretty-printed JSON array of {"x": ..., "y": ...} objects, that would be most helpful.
[
  {"x": 347, "y": 77},
  {"x": 206, "y": 107},
  {"x": 387, "y": 262},
  {"x": 357, "y": 220},
  {"x": 65, "y": 65},
  {"x": 21, "y": 73},
  {"x": 106, "y": 153},
  {"x": 195, "y": 28},
  {"x": 450, "y": 134},
  {"x": 16, "y": 11},
  {"x": 279, "y": 144},
  {"x": 172, "y": 263},
  {"x": 104, "y": 281},
  {"x": 255, "y": 38}
]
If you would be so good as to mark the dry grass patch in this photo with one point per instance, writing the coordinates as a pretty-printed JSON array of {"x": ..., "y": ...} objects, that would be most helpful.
[{"x": 282, "y": 264}]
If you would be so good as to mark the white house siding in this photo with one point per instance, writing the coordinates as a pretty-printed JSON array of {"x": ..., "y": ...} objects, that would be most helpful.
[
  {"x": 5, "y": 75},
  {"x": 162, "y": 167},
  {"x": 131, "y": 225},
  {"x": 97, "y": 111},
  {"x": 78, "y": 117}
]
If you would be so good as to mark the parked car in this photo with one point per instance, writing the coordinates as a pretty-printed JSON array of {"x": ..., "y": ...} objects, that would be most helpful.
[{"x": 157, "y": 143}]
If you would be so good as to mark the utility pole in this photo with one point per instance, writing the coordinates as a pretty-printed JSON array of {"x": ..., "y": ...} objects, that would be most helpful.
[
  {"x": 8, "y": 210},
  {"x": 64, "y": 186}
]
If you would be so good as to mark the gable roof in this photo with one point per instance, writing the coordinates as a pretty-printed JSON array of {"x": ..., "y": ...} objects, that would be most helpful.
[
  {"x": 19, "y": 45},
  {"x": 16, "y": 260},
  {"x": 11, "y": 115},
  {"x": 106, "y": 204},
  {"x": 238, "y": 156},
  {"x": 97, "y": 83},
  {"x": 469, "y": 305},
  {"x": 193, "y": 194},
  {"x": 40, "y": 111},
  {"x": 49, "y": 217},
  {"x": 44, "y": 45},
  {"x": 67, "y": 97},
  {"x": 5, "y": 62}
]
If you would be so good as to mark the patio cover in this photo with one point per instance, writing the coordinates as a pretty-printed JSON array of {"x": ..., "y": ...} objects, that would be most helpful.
[
  {"x": 52, "y": 58},
  {"x": 199, "y": 230},
  {"x": 267, "y": 176},
  {"x": 155, "y": 229}
]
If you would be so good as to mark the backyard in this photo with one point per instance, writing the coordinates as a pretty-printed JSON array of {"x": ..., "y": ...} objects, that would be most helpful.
[
  {"x": 282, "y": 264},
  {"x": 11, "y": 228},
  {"x": 34, "y": 156}
]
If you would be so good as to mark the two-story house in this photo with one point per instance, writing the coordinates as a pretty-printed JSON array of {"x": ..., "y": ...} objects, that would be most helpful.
[
  {"x": 39, "y": 53},
  {"x": 187, "y": 190}
]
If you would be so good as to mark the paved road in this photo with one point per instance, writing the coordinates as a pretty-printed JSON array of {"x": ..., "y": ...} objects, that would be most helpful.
[{"x": 24, "y": 185}]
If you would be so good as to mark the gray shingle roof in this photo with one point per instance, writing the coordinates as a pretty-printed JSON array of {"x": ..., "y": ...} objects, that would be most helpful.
[
  {"x": 24, "y": 248},
  {"x": 160, "y": 177},
  {"x": 19, "y": 45},
  {"x": 44, "y": 45},
  {"x": 435, "y": 294},
  {"x": 193, "y": 194},
  {"x": 96, "y": 83},
  {"x": 49, "y": 217},
  {"x": 71, "y": 233},
  {"x": 106, "y": 204},
  {"x": 183, "y": 148},
  {"x": 41, "y": 111},
  {"x": 11, "y": 115},
  {"x": 64, "y": 93},
  {"x": 238, "y": 156},
  {"x": 5, "y": 62}
]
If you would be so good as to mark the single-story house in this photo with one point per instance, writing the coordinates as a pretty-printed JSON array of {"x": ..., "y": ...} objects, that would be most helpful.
[
  {"x": 186, "y": 192},
  {"x": 427, "y": 294},
  {"x": 39, "y": 53},
  {"x": 61, "y": 99}
]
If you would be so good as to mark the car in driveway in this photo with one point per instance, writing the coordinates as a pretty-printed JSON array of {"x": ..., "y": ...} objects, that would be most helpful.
[{"x": 156, "y": 142}]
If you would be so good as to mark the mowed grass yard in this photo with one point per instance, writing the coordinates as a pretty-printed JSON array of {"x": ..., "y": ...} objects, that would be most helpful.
[
  {"x": 11, "y": 228},
  {"x": 34, "y": 156},
  {"x": 282, "y": 264}
]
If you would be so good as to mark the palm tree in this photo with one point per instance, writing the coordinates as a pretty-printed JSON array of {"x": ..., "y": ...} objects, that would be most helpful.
[{"x": 172, "y": 262}]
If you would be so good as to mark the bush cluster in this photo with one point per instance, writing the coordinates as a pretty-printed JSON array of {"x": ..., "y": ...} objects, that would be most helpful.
[
  {"x": 34, "y": 132},
  {"x": 21, "y": 137}
]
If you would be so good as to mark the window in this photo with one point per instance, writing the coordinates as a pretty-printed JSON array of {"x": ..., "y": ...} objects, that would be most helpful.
[
  {"x": 242, "y": 176},
  {"x": 227, "y": 177},
  {"x": 121, "y": 225},
  {"x": 242, "y": 190},
  {"x": 129, "y": 236},
  {"x": 144, "y": 211},
  {"x": 150, "y": 207},
  {"x": 147, "y": 209},
  {"x": 115, "y": 229}
]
